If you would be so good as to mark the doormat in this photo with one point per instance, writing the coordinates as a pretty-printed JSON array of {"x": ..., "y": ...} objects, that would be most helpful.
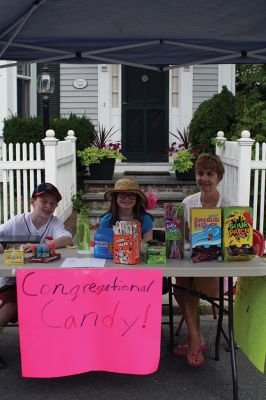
[{"x": 147, "y": 173}]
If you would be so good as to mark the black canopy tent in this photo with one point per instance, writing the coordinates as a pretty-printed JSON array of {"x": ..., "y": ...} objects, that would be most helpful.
[{"x": 153, "y": 34}]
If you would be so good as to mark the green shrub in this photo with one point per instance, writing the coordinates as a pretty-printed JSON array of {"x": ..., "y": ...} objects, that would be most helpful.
[
  {"x": 29, "y": 130},
  {"x": 213, "y": 115},
  {"x": 19, "y": 130}
]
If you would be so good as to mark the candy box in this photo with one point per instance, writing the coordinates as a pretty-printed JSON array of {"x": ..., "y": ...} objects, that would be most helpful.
[
  {"x": 237, "y": 233},
  {"x": 14, "y": 255},
  {"x": 43, "y": 253},
  {"x": 174, "y": 222},
  {"x": 153, "y": 252},
  {"x": 205, "y": 234},
  {"x": 127, "y": 246},
  {"x": 104, "y": 243}
]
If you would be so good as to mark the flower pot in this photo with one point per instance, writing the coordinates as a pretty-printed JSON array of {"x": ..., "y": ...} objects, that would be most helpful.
[
  {"x": 185, "y": 176},
  {"x": 104, "y": 170}
]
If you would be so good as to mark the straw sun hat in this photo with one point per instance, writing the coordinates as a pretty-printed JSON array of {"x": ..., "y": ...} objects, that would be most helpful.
[{"x": 126, "y": 185}]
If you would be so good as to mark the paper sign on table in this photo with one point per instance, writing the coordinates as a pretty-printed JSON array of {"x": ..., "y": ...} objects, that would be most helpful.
[
  {"x": 77, "y": 262},
  {"x": 77, "y": 320}
]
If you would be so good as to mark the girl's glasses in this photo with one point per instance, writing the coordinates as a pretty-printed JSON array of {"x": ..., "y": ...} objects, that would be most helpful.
[{"x": 130, "y": 195}]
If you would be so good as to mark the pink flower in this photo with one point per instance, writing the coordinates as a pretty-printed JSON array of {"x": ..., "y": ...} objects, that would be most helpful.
[{"x": 152, "y": 199}]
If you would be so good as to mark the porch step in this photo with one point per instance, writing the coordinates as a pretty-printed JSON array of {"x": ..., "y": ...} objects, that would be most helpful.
[
  {"x": 157, "y": 213},
  {"x": 121, "y": 167},
  {"x": 97, "y": 199},
  {"x": 147, "y": 182},
  {"x": 146, "y": 173},
  {"x": 166, "y": 189}
]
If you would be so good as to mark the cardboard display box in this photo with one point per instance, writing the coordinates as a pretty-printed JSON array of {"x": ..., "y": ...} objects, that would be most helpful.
[
  {"x": 153, "y": 252},
  {"x": 14, "y": 254},
  {"x": 174, "y": 222},
  {"x": 237, "y": 233},
  {"x": 205, "y": 234}
]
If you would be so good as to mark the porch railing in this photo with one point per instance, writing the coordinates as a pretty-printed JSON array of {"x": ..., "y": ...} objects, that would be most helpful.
[
  {"x": 22, "y": 167},
  {"x": 244, "y": 178}
]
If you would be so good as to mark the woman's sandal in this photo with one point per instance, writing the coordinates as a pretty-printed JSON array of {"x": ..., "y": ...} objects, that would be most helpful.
[
  {"x": 181, "y": 349},
  {"x": 193, "y": 359}
]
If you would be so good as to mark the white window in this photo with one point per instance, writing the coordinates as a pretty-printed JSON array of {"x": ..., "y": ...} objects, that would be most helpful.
[
  {"x": 23, "y": 89},
  {"x": 175, "y": 87},
  {"x": 115, "y": 85}
]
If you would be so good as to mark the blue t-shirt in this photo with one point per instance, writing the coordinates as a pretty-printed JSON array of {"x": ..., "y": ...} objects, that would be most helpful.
[{"x": 146, "y": 222}]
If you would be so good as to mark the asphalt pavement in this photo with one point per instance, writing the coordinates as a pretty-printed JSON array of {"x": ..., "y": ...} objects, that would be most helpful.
[{"x": 173, "y": 379}]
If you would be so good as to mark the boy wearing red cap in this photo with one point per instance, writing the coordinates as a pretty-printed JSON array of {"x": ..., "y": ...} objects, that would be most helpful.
[{"x": 40, "y": 222}]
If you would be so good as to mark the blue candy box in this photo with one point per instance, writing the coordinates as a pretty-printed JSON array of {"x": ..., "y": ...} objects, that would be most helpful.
[{"x": 104, "y": 243}]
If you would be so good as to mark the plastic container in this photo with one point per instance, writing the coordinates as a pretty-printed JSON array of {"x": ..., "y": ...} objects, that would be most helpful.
[
  {"x": 103, "y": 243},
  {"x": 83, "y": 231}
]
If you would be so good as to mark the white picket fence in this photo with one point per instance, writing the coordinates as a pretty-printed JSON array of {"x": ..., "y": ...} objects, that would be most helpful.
[
  {"x": 22, "y": 168},
  {"x": 244, "y": 170}
]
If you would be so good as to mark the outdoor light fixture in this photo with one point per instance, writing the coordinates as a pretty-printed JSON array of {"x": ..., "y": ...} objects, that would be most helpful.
[{"x": 45, "y": 86}]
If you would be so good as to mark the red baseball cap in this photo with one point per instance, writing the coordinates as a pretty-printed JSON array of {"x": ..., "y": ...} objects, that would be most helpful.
[{"x": 46, "y": 188}]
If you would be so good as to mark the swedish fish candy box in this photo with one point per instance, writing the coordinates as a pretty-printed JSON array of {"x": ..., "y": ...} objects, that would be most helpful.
[
  {"x": 237, "y": 233},
  {"x": 205, "y": 234}
]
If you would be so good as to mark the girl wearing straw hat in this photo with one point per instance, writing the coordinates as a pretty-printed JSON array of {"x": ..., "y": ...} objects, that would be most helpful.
[{"x": 127, "y": 203}]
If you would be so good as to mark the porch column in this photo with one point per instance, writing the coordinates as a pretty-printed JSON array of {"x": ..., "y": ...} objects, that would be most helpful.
[
  {"x": 50, "y": 158},
  {"x": 244, "y": 168},
  {"x": 71, "y": 136}
]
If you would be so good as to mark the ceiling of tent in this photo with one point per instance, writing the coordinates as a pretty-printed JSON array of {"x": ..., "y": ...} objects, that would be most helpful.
[{"x": 147, "y": 33}]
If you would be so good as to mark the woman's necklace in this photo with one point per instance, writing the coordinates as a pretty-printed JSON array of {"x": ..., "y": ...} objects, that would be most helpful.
[{"x": 210, "y": 202}]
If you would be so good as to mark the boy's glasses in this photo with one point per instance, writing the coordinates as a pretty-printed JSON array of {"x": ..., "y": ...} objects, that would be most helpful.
[{"x": 124, "y": 195}]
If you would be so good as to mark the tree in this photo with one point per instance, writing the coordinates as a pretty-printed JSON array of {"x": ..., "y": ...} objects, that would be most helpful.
[
  {"x": 213, "y": 115},
  {"x": 251, "y": 100},
  {"x": 251, "y": 81}
]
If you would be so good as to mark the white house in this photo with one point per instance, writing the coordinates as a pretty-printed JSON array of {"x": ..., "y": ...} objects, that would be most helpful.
[{"x": 143, "y": 105}]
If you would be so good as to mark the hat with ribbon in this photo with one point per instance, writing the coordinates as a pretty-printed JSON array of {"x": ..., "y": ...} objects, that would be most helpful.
[
  {"x": 46, "y": 188},
  {"x": 127, "y": 185}
]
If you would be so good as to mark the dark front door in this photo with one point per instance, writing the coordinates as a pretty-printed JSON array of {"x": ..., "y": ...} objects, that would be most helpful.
[{"x": 145, "y": 109}]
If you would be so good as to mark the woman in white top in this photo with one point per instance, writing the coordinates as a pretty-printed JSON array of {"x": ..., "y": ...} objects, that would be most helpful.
[{"x": 209, "y": 172}]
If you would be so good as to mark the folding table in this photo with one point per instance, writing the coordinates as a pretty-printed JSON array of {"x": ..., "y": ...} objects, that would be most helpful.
[{"x": 182, "y": 268}]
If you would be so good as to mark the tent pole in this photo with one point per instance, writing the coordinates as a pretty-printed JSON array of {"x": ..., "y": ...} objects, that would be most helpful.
[{"x": 34, "y": 7}]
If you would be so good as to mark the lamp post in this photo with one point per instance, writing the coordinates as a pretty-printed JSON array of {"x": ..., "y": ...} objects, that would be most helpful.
[{"x": 45, "y": 86}]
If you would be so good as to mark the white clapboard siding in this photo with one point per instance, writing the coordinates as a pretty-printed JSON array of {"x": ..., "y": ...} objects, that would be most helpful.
[
  {"x": 22, "y": 168},
  {"x": 79, "y": 101},
  {"x": 205, "y": 83},
  {"x": 244, "y": 178}
]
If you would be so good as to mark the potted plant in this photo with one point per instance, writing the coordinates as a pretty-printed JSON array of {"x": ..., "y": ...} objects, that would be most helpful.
[
  {"x": 77, "y": 201},
  {"x": 100, "y": 157},
  {"x": 184, "y": 156}
]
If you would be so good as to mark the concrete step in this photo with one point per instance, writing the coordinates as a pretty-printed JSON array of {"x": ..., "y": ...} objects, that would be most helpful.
[
  {"x": 161, "y": 196},
  {"x": 166, "y": 188},
  {"x": 121, "y": 167},
  {"x": 157, "y": 213},
  {"x": 161, "y": 183},
  {"x": 167, "y": 196}
]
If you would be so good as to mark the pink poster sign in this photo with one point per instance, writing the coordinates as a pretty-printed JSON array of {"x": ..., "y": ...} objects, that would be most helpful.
[{"x": 78, "y": 320}]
